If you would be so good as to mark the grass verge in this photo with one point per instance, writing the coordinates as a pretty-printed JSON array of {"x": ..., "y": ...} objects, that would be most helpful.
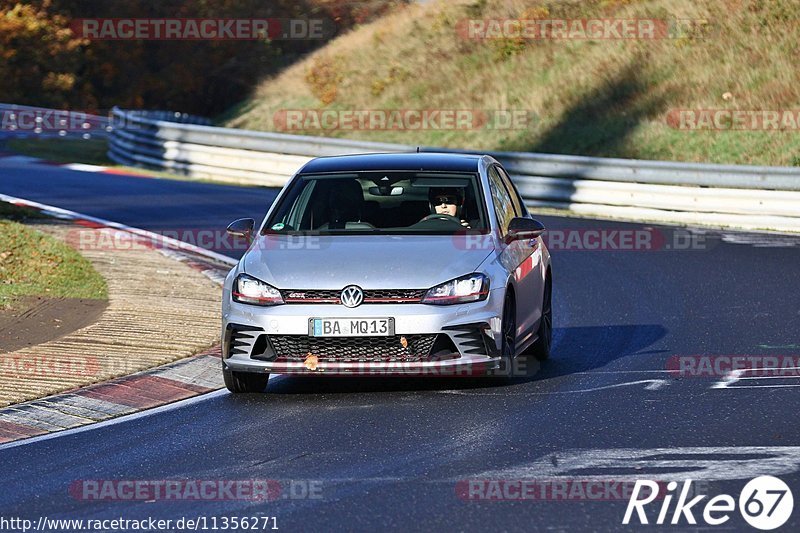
[
  {"x": 35, "y": 264},
  {"x": 601, "y": 97},
  {"x": 86, "y": 151}
]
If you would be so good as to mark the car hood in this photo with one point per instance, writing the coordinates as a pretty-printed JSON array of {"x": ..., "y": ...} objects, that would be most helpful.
[{"x": 369, "y": 261}]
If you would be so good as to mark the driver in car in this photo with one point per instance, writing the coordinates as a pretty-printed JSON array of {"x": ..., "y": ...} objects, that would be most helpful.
[{"x": 448, "y": 201}]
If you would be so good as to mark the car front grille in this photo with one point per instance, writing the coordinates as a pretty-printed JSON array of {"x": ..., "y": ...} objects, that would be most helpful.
[
  {"x": 300, "y": 296},
  {"x": 293, "y": 348}
]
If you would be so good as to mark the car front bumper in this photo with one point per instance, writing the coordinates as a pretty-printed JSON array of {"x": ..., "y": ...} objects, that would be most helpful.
[
  {"x": 459, "y": 322},
  {"x": 469, "y": 366}
]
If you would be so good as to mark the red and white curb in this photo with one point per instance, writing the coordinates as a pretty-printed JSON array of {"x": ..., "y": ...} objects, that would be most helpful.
[
  {"x": 182, "y": 379},
  {"x": 210, "y": 263},
  {"x": 175, "y": 381}
]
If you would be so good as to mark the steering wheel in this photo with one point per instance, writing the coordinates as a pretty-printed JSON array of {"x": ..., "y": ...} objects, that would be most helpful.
[{"x": 438, "y": 216}]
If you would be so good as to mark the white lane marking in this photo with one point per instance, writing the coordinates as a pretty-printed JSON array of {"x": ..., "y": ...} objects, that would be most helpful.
[
  {"x": 624, "y": 372},
  {"x": 652, "y": 384},
  {"x": 729, "y": 379},
  {"x": 83, "y": 167},
  {"x": 764, "y": 386},
  {"x": 656, "y": 384},
  {"x": 735, "y": 376},
  {"x": 771, "y": 377},
  {"x": 125, "y": 418},
  {"x": 153, "y": 237},
  {"x": 707, "y": 463}
]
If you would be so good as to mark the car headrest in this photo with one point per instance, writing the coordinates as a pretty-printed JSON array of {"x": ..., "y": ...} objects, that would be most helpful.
[{"x": 345, "y": 200}]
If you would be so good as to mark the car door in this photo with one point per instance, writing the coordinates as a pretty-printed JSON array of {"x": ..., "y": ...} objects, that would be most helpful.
[{"x": 522, "y": 258}]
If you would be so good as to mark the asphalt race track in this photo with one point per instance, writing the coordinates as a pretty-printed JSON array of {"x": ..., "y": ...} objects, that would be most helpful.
[{"x": 352, "y": 454}]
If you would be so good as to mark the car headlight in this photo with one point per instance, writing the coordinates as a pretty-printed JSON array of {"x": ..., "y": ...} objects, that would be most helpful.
[
  {"x": 471, "y": 288},
  {"x": 249, "y": 290}
]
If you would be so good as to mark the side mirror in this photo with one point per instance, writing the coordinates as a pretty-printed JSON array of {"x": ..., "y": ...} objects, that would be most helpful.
[
  {"x": 521, "y": 228},
  {"x": 242, "y": 227}
]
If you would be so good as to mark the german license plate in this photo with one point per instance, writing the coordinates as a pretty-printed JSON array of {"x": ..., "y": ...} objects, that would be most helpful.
[{"x": 351, "y": 327}]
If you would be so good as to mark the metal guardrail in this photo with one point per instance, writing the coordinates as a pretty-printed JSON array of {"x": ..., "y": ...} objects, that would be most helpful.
[
  {"x": 749, "y": 197},
  {"x": 28, "y": 121}
]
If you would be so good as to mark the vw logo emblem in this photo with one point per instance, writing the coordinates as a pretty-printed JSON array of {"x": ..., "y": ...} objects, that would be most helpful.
[{"x": 352, "y": 296}]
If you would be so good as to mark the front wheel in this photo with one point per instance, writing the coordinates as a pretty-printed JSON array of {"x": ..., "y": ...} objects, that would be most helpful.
[
  {"x": 239, "y": 382},
  {"x": 508, "y": 334},
  {"x": 540, "y": 349}
]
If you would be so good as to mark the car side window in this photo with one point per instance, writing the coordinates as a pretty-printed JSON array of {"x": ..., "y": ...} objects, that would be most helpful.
[
  {"x": 519, "y": 205},
  {"x": 503, "y": 205}
]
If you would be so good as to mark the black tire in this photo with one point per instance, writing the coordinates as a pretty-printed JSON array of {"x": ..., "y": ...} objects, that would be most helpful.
[
  {"x": 239, "y": 382},
  {"x": 508, "y": 330},
  {"x": 540, "y": 349}
]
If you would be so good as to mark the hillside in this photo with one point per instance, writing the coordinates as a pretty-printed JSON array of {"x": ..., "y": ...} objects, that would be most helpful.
[
  {"x": 609, "y": 97},
  {"x": 75, "y": 54}
]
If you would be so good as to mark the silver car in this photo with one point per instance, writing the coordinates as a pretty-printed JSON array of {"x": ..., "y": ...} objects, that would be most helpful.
[{"x": 386, "y": 264}]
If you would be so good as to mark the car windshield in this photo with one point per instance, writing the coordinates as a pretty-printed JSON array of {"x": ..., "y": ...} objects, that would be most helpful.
[{"x": 382, "y": 203}]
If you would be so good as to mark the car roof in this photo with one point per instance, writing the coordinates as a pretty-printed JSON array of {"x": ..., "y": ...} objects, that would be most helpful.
[{"x": 420, "y": 161}]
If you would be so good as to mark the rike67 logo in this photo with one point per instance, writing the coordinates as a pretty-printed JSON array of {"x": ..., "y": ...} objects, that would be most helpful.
[{"x": 765, "y": 503}]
